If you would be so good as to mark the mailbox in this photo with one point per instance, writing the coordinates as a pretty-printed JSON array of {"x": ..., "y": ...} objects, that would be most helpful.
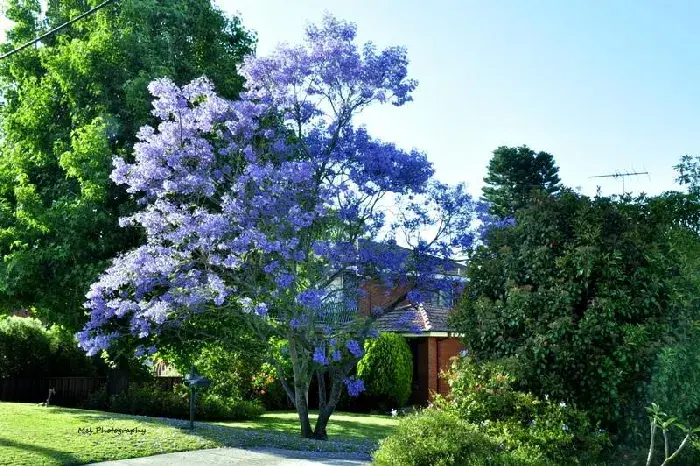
[{"x": 195, "y": 382}]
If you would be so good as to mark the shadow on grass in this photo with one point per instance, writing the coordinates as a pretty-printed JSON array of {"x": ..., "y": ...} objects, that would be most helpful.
[
  {"x": 264, "y": 432},
  {"x": 339, "y": 426},
  {"x": 61, "y": 457}
]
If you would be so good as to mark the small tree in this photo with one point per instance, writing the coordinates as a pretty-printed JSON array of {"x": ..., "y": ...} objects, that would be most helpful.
[
  {"x": 387, "y": 369},
  {"x": 660, "y": 420},
  {"x": 256, "y": 207}
]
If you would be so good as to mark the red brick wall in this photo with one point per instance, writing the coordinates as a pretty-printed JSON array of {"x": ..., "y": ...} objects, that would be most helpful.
[
  {"x": 375, "y": 295},
  {"x": 433, "y": 357},
  {"x": 446, "y": 348}
]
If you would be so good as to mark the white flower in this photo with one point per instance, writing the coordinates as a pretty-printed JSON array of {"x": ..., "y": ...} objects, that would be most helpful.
[
  {"x": 546, "y": 397},
  {"x": 562, "y": 405},
  {"x": 394, "y": 413},
  {"x": 565, "y": 428}
]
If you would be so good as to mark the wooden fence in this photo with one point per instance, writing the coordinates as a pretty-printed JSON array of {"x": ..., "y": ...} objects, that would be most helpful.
[{"x": 70, "y": 391}]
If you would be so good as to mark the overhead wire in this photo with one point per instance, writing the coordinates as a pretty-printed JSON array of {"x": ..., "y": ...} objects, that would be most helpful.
[{"x": 56, "y": 29}]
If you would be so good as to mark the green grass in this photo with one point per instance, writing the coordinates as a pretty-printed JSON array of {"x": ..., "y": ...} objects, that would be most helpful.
[
  {"x": 34, "y": 435},
  {"x": 361, "y": 427}
]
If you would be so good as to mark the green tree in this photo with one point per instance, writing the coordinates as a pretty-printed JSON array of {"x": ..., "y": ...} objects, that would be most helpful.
[
  {"x": 585, "y": 293},
  {"x": 387, "y": 370},
  {"x": 70, "y": 105},
  {"x": 513, "y": 174}
]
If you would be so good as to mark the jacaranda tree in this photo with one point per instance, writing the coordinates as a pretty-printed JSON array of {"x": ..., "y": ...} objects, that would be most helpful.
[{"x": 254, "y": 207}]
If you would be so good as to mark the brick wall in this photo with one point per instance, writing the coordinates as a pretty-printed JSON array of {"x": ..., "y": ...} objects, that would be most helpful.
[
  {"x": 376, "y": 295},
  {"x": 431, "y": 356},
  {"x": 446, "y": 348}
]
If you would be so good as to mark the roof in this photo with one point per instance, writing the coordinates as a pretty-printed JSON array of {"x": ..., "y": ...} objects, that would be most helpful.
[{"x": 415, "y": 318}]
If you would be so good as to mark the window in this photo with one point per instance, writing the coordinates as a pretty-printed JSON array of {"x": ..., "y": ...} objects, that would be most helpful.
[{"x": 442, "y": 298}]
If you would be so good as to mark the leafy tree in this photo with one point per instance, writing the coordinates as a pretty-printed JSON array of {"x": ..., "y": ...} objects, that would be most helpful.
[
  {"x": 689, "y": 172},
  {"x": 387, "y": 369},
  {"x": 254, "y": 207},
  {"x": 69, "y": 105},
  {"x": 513, "y": 174},
  {"x": 584, "y": 292}
]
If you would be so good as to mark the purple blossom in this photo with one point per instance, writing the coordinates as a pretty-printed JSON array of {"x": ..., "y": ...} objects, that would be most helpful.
[
  {"x": 320, "y": 356},
  {"x": 261, "y": 309},
  {"x": 311, "y": 299},
  {"x": 295, "y": 323},
  {"x": 354, "y": 385},
  {"x": 355, "y": 348}
]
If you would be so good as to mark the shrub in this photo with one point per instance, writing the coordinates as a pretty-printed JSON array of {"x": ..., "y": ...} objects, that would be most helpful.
[
  {"x": 676, "y": 379},
  {"x": 213, "y": 407},
  {"x": 440, "y": 437},
  {"x": 433, "y": 437},
  {"x": 268, "y": 390},
  {"x": 231, "y": 372},
  {"x": 267, "y": 387},
  {"x": 98, "y": 400},
  {"x": 483, "y": 394},
  {"x": 67, "y": 359},
  {"x": 25, "y": 347},
  {"x": 387, "y": 370},
  {"x": 29, "y": 349},
  {"x": 151, "y": 400}
]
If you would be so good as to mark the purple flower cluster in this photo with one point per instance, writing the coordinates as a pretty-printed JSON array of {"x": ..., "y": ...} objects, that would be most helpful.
[
  {"x": 355, "y": 348},
  {"x": 354, "y": 385},
  {"x": 320, "y": 356}
]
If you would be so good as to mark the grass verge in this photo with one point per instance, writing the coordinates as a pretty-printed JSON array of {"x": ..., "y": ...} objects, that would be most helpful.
[{"x": 35, "y": 435}]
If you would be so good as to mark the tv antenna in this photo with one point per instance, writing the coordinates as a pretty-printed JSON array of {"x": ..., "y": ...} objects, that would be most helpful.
[{"x": 622, "y": 175}]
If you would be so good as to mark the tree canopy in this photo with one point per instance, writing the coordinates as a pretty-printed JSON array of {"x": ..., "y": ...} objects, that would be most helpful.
[
  {"x": 254, "y": 207},
  {"x": 584, "y": 293},
  {"x": 514, "y": 173},
  {"x": 69, "y": 105}
]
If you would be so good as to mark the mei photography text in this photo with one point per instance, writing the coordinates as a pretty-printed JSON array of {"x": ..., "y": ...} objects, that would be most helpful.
[{"x": 110, "y": 430}]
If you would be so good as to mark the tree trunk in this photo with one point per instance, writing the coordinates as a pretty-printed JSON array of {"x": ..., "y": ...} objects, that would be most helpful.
[
  {"x": 302, "y": 406},
  {"x": 330, "y": 402},
  {"x": 323, "y": 412},
  {"x": 301, "y": 388},
  {"x": 322, "y": 422}
]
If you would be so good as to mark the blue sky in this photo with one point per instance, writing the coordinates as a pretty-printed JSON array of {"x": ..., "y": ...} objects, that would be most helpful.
[{"x": 605, "y": 86}]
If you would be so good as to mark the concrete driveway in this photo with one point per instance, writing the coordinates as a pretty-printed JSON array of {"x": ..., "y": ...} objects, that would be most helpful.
[{"x": 239, "y": 456}]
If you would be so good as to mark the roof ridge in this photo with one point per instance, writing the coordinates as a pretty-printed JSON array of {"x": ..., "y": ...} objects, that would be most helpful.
[{"x": 424, "y": 315}]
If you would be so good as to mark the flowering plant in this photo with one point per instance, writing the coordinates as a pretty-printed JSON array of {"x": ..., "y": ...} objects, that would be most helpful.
[{"x": 256, "y": 207}]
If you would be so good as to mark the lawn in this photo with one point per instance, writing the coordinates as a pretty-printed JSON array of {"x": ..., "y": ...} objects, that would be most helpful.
[{"x": 34, "y": 435}]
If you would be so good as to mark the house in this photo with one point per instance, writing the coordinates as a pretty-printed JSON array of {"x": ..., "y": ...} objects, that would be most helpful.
[
  {"x": 425, "y": 326},
  {"x": 432, "y": 344}
]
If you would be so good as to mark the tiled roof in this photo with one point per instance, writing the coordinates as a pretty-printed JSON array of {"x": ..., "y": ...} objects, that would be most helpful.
[{"x": 414, "y": 318}]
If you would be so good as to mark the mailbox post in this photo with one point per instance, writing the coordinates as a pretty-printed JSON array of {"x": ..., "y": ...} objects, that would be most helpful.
[{"x": 194, "y": 382}]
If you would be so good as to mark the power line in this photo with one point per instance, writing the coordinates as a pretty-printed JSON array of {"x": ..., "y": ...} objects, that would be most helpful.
[{"x": 56, "y": 29}]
